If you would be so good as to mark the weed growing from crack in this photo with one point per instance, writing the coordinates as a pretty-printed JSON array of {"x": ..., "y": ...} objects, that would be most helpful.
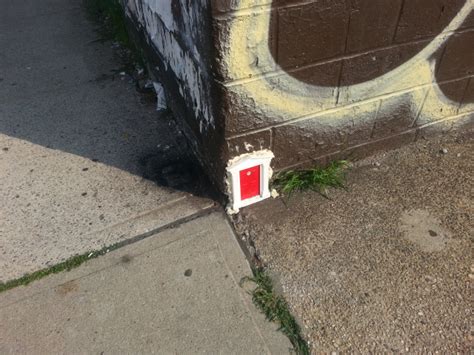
[
  {"x": 316, "y": 179},
  {"x": 276, "y": 309},
  {"x": 67, "y": 265},
  {"x": 110, "y": 17}
]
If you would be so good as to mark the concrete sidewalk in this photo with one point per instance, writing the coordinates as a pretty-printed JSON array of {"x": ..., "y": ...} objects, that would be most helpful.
[
  {"x": 73, "y": 137},
  {"x": 176, "y": 292}
]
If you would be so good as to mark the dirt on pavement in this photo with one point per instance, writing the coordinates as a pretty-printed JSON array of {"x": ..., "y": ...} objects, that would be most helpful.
[{"x": 386, "y": 265}]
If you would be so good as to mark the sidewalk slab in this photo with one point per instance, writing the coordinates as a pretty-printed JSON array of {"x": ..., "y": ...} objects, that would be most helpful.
[
  {"x": 176, "y": 292},
  {"x": 75, "y": 136},
  {"x": 56, "y": 205}
]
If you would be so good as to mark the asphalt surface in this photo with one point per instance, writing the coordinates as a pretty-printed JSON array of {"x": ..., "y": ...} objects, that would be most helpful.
[{"x": 386, "y": 265}]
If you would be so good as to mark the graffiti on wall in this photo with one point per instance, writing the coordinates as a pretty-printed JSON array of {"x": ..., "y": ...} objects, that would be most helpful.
[
  {"x": 313, "y": 61},
  {"x": 311, "y": 77},
  {"x": 173, "y": 28}
]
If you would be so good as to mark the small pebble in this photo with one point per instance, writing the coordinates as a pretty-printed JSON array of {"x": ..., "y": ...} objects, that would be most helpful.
[
  {"x": 444, "y": 151},
  {"x": 252, "y": 251}
]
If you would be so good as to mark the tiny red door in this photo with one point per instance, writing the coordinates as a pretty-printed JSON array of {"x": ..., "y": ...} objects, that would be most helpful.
[{"x": 250, "y": 182}]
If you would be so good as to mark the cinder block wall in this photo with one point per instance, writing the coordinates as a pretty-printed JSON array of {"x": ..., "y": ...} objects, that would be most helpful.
[
  {"x": 312, "y": 80},
  {"x": 317, "y": 80}
]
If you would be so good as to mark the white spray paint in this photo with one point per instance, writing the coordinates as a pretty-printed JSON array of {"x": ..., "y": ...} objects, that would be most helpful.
[{"x": 157, "y": 19}]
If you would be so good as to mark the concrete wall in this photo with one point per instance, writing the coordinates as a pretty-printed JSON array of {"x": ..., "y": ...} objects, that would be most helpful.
[
  {"x": 312, "y": 80},
  {"x": 324, "y": 79}
]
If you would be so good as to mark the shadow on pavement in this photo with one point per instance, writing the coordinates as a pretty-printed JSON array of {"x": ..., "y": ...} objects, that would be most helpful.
[{"x": 64, "y": 89}]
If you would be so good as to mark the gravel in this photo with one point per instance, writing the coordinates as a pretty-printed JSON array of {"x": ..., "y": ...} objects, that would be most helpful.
[{"x": 385, "y": 266}]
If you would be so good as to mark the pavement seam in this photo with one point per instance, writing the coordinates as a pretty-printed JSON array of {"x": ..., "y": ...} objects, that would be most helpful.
[
  {"x": 137, "y": 216},
  {"x": 93, "y": 272},
  {"x": 180, "y": 221},
  {"x": 203, "y": 212},
  {"x": 241, "y": 296}
]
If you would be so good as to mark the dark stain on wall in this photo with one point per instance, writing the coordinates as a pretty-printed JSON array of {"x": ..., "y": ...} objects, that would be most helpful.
[{"x": 208, "y": 147}]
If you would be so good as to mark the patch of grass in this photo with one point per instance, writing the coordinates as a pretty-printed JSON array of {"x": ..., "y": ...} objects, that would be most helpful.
[
  {"x": 316, "y": 179},
  {"x": 110, "y": 17},
  {"x": 67, "y": 265},
  {"x": 276, "y": 309}
]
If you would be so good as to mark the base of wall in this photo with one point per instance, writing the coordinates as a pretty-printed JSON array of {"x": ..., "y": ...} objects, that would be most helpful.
[
  {"x": 183, "y": 116},
  {"x": 462, "y": 125}
]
